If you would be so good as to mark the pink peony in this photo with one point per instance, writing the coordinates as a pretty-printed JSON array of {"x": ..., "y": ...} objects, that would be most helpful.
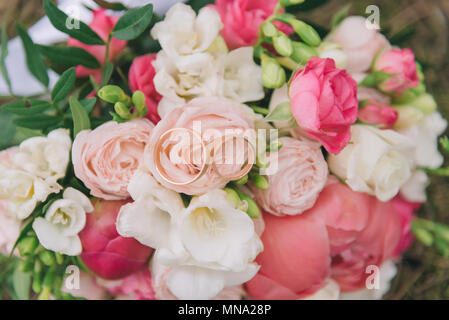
[
  {"x": 136, "y": 286},
  {"x": 141, "y": 75},
  {"x": 374, "y": 245},
  {"x": 301, "y": 175},
  {"x": 103, "y": 25},
  {"x": 242, "y": 19},
  {"x": 324, "y": 103},
  {"x": 375, "y": 112},
  {"x": 359, "y": 43},
  {"x": 106, "y": 158},
  {"x": 296, "y": 258},
  {"x": 401, "y": 65},
  {"x": 182, "y": 160},
  {"x": 105, "y": 252}
]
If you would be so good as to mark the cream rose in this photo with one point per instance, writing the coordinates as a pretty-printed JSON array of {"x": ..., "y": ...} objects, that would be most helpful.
[
  {"x": 106, "y": 158},
  {"x": 179, "y": 160},
  {"x": 378, "y": 162},
  {"x": 301, "y": 175}
]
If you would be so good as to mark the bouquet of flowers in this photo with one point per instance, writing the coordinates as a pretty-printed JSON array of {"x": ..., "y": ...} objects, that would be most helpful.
[{"x": 226, "y": 150}]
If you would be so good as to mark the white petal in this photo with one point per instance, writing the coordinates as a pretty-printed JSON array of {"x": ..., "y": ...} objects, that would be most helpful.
[{"x": 80, "y": 198}]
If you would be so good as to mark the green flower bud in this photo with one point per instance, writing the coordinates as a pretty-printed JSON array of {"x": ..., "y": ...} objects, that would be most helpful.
[
  {"x": 286, "y": 3},
  {"x": 27, "y": 245},
  {"x": 306, "y": 32},
  {"x": 233, "y": 197},
  {"x": 424, "y": 236},
  {"x": 45, "y": 294},
  {"x": 269, "y": 29},
  {"x": 242, "y": 180},
  {"x": 122, "y": 110},
  {"x": 25, "y": 265},
  {"x": 38, "y": 267},
  {"x": 48, "y": 258},
  {"x": 37, "y": 283},
  {"x": 273, "y": 75},
  {"x": 407, "y": 116},
  {"x": 59, "y": 258},
  {"x": 283, "y": 45},
  {"x": 302, "y": 52},
  {"x": 113, "y": 94},
  {"x": 275, "y": 145},
  {"x": 426, "y": 103},
  {"x": 252, "y": 210},
  {"x": 259, "y": 181},
  {"x": 139, "y": 99},
  {"x": 442, "y": 247}
]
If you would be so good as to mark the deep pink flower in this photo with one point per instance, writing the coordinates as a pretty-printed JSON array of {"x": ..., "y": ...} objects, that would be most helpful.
[
  {"x": 324, "y": 103},
  {"x": 378, "y": 113},
  {"x": 136, "y": 286},
  {"x": 141, "y": 75},
  {"x": 105, "y": 252},
  {"x": 406, "y": 211}
]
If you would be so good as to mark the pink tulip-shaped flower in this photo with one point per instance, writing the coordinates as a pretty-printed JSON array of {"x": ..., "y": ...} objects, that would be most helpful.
[
  {"x": 105, "y": 252},
  {"x": 378, "y": 113}
]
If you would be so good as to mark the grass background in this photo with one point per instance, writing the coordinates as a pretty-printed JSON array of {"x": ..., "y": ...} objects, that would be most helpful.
[{"x": 421, "y": 25}]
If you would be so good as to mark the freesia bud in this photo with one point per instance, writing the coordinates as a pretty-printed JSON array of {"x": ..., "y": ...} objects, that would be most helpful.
[
  {"x": 269, "y": 29},
  {"x": 48, "y": 258},
  {"x": 25, "y": 265},
  {"x": 259, "y": 181},
  {"x": 139, "y": 102},
  {"x": 122, "y": 110},
  {"x": 424, "y": 236},
  {"x": 37, "y": 283},
  {"x": 283, "y": 45},
  {"x": 273, "y": 75},
  {"x": 113, "y": 94},
  {"x": 38, "y": 267},
  {"x": 243, "y": 180},
  {"x": 286, "y": 3},
  {"x": 253, "y": 209},
  {"x": 426, "y": 103},
  {"x": 302, "y": 52},
  {"x": 27, "y": 245},
  {"x": 306, "y": 32},
  {"x": 233, "y": 197},
  {"x": 275, "y": 145}
]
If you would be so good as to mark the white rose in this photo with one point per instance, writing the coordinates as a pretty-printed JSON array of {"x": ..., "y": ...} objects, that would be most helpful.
[
  {"x": 24, "y": 191},
  {"x": 378, "y": 162},
  {"x": 64, "y": 219},
  {"x": 414, "y": 190},
  {"x": 425, "y": 134},
  {"x": 185, "y": 37},
  {"x": 45, "y": 157}
]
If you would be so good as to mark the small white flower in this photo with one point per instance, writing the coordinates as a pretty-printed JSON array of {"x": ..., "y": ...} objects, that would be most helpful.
[
  {"x": 64, "y": 219},
  {"x": 414, "y": 190},
  {"x": 425, "y": 134},
  {"x": 185, "y": 37},
  {"x": 334, "y": 51},
  {"x": 24, "y": 191},
  {"x": 45, "y": 157},
  {"x": 378, "y": 162}
]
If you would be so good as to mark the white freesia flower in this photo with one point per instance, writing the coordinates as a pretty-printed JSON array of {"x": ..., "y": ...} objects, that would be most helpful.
[
  {"x": 45, "y": 157},
  {"x": 24, "y": 191},
  {"x": 378, "y": 162},
  {"x": 150, "y": 217},
  {"x": 332, "y": 50},
  {"x": 64, "y": 219},
  {"x": 414, "y": 190},
  {"x": 185, "y": 37},
  {"x": 425, "y": 134}
]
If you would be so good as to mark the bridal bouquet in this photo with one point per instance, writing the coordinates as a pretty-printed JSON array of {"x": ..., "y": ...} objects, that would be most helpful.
[{"x": 224, "y": 151}]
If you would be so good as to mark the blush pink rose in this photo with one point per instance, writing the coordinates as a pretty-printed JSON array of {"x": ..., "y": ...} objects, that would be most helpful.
[
  {"x": 359, "y": 43},
  {"x": 213, "y": 117},
  {"x": 242, "y": 19},
  {"x": 106, "y": 158},
  {"x": 345, "y": 213},
  {"x": 406, "y": 211},
  {"x": 105, "y": 252},
  {"x": 141, "y": 75},
  {"x": 374, "y": 112},
  {"x": 324, "y": 103},
  {"x": 296, "y": 258},
  {"x": 136, "y": 286},
  {"x": 103, "y": 25},
  {"x": 374, "y": 245},
  {"x": 401, "y": 65},
  {"x": 301, "y": 175}
]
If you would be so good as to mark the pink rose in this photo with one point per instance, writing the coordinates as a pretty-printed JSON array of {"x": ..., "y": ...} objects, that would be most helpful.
[
  {"x": 242, "y": 19},
  {"x": 296, "y": 258},
  {"x": 301, "y": 175},
  {"x": 374, "y": 245},
  {"x": 374, "y": 112},
  {"x": 103, "y": 25},
  {"x": 106, "y": 158},
  {"x": 324, "y": 103},
  {"x": 182, "y": 160},
  {"x": 401, "y": 65},
  {"x": 141, "y": 75},
  {"x": 359, "y": 43},
  {"x": 406, "y": 211},
  {"x": 345, "y": 213},
  {"x": 105, "y": 252},
  {"x": 136, "y": 286}
]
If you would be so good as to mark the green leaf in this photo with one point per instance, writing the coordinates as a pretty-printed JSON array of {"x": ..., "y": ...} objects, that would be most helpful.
[
  {"x": 21, "y": 283},
  {"x": 340, "y": 15},
  {"x": 4, "y": 54},
  {"x": 36, "y": 122},
  {"x": 34, "y": 60},
  {"x": 80, "y": 116},
  {"x": 444, "y": 141},
  {"x": 64, "y": 85},
  {"x": 107, "y": 74},
  {"x": 89, "y": 104},
  {"x": 133, "y": 23},
  {"x": 117, "y": 6},
  {"x": 281, "y": 113},
  {"x": 70, "y": 56},
  {"x": 20, "y": 107},
  {"x": 7, "y": 129},
  {"x": 61, "y": 21},
  {"x": 197, "y": 5}
]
